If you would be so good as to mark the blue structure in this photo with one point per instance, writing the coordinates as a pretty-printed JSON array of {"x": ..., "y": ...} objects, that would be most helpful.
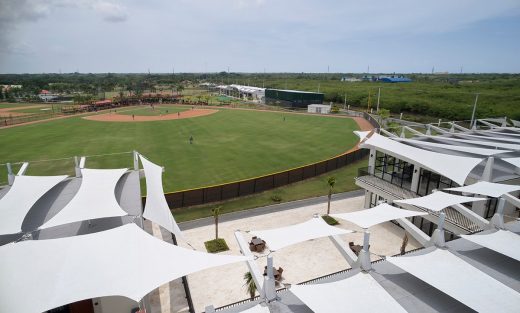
[{"x": 394, "y": 79}]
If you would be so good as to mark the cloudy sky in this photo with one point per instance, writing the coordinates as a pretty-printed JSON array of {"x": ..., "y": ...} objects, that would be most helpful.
[{"x": 255, "y": 35}]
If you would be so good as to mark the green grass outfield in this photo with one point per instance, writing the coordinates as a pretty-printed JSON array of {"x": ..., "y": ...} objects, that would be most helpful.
[{"x": 229, "y": 145}]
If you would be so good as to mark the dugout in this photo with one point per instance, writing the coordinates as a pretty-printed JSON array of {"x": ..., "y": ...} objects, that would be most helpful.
[{"x": 292, "y": 98}]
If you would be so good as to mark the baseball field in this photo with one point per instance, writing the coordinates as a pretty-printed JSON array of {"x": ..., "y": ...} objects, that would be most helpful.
[{"x": 227, "y": 145}]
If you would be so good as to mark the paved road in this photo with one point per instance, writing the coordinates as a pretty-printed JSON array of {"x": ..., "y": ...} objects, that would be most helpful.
[{"x": 269, "y": 209}]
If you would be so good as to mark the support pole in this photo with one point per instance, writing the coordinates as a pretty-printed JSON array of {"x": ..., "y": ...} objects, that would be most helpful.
[
  {"x": 76, "y": 167},
  {"x": 136, "y": 160},
  {"x": 378, "y": 96},
  {"x": 473, "y": 122},
  {"x": 187, "y": 292},
  {"x": 269, "y": 287},
  {"x": 10, "y": 175},
  {"x": 438, "y": 235},
  {"x": 498, "y": 218}
]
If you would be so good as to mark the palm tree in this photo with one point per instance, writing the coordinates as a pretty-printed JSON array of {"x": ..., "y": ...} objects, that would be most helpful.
[
  {"x": 216, "y": 212},
  {"x": 179, "y": 89},
  {"x": 331, "y": 181},
  {"x": 250, "y": 284}
]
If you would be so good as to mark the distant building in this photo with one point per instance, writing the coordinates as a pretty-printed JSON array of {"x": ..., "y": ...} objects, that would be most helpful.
[
  {"x": 292, "y": 98},
  {"x": 46, "y": 95},
  {"x": 350, "y": 79},
  {"x": 394, "y": 79},
  {"x": 319, "y": 108},
  {"x": 9, "y": 87}
]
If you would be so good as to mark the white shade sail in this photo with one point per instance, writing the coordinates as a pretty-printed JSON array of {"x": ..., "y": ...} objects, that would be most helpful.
[
  {"x": 456, "y": 168},
  {"x": 438, "y": 201},
  {"x": 480, "y": 143},
  {"x": 285, "y": 236},
  {"x": 361, "y": 134},
  {"x": 514, "y": 161},
  {"x": 487, "y": 189},
  {"x": 156, "y": 208},
  {"x": 125, "y": 261},
  {"x": 360, "y": 292},
  {"x": 22, "y": 195},
  {"x": 490, "y": 138},
  {"x": 376, "y": 215},
  {"x": 474, "y": 150},
  {"x": 257, "y": 309},
  {"x": 458, "y": 279},
  {"x": 502, "y": 241},
  {"x": 94, "y": 199}
]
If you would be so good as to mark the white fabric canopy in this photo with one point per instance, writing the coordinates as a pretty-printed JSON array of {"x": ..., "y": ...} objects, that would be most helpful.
[
  {"x": 461, "y": 281},
  {"x": 376, "y": 215},
  {"x": 491, "y": 138},
  {"x": 38, "y": 275},
  {"x": 156, "y": 208},
  {"x": 361, "y": 134},
  {"x": 257, "y": 309},
  {"x": 361, "y": 293},
  {"x": 474, "y": 150},
  {"x": 94, "y": 199},
  {"x": 456, "y": 168},
  {"x": 514, "y": 161},
  {"x": 285, "y": 236},
  {"x": 481, "y": 143},
  {"x": 22, "y": 195},
  {"x": 438, "y": 200},
  {"x": 502, "y": 241},
  {"x": 487, "y": 189}
]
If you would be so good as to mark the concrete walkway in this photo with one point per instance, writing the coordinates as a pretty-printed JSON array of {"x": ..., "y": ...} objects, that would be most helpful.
[{"x": 269, "y": 209}]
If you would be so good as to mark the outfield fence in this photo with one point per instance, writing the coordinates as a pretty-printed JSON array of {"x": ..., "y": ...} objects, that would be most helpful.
[
  {"x": 251, "y": 186},
  {"x": 21, "y": 119}
]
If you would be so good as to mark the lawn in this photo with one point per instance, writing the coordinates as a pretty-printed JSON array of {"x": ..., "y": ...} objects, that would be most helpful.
[
  {"x": 158, "y": 110},
  {"x": 309, "y": 188},
  {"x": 229, "y": 145}
]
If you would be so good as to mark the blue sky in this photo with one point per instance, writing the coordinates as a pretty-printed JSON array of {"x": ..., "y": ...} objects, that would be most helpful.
[{"x": 252, "y": 35}]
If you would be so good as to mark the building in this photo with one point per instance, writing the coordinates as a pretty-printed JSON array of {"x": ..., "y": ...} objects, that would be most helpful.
[
  {"x": 292, "y": 98},
  {"x": 401, "y": 168},
  {"x": 319, "y": 108},
  {"x": 247, "y": 93},
  {"x": 47, "y": 96},
  {"x": 350, "y": 79},
  {"x": 394, "y": 79}
]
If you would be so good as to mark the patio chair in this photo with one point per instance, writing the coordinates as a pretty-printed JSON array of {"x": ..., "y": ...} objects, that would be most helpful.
[{"x": 252, "y": 247}]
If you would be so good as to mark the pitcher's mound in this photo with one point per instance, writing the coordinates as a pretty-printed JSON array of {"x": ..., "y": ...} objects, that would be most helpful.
[{"x": 115, "y": 117}]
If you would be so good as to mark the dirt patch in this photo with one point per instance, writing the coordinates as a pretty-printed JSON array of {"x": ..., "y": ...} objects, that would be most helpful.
[
  {"x": 363, "y": 124},
  {"x": 8, "y": 111},
  {"x": 114, "y": 117}
]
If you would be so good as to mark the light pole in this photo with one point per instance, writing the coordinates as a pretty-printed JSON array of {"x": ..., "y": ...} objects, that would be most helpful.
[
  {"x": 378, "y": 96},
  {"x": 473, "y": 122}
]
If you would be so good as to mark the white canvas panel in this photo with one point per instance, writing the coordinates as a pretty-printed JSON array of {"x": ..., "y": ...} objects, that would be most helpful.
[
  {"x": 95, "y": 198},
  {"x": 360, "y": 292},
  {"x": 285, "y": 236},
  {"x": 514, "y": 161},
  {"x": 487, "y": 189},
  {"x": 125, "y": 261},
  {"x": 490, "y": 138},
  {"x": 156, "y": 208},
  {"x": 438, "y": 200},
  {"x": 501, "y": 241},
  {"x": 361, "y": 134},
  {"x": 257, "y": 309},
  {"x": 456, "y": 168},
  {"x": 22, "y": 195},
  {"x": 474, "y": 150},
  {"x": 500, "y": 145},
  {"x": 458, "y": 279},
  {"x": 376, "y": 215}
]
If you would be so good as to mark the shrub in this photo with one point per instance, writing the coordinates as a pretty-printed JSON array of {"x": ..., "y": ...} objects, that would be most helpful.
[
  {"x": 216, "y": 245},
  {"x": 330, "y": 220},
  {"x": 276, "y": 198}
]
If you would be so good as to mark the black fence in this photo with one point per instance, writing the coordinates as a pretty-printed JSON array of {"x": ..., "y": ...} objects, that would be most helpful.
[
  {"x": 258, "y": 184},
  {"x": 21, "y": 119}
]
